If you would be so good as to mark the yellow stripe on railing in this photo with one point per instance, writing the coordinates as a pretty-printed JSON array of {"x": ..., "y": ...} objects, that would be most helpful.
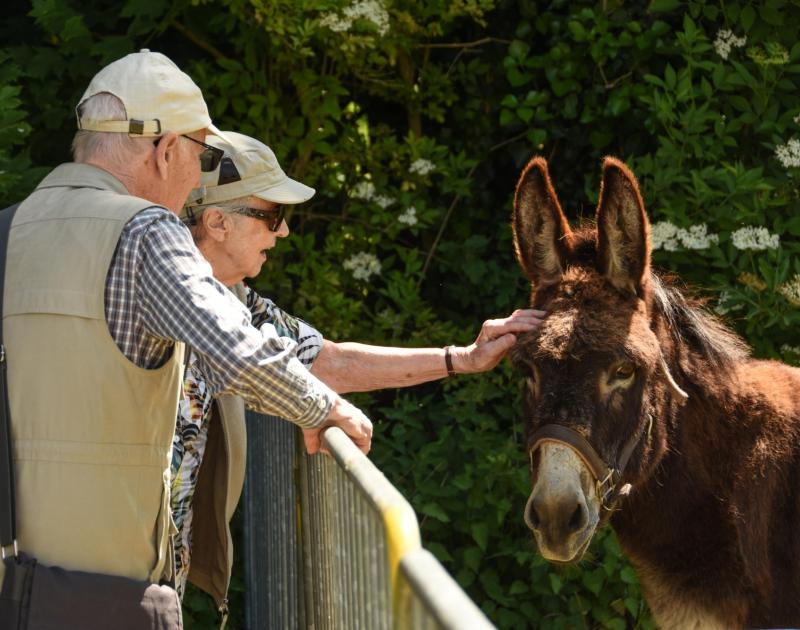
[
  {"x": 349, "y": 556},
  {"x": 429, "y": 599},
  {"x": 422, "y": 592}
]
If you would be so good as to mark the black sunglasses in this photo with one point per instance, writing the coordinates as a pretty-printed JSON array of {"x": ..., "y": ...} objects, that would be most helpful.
[
  {"x": 209, "y": 158},
  {"x": 273, "y": 218}
]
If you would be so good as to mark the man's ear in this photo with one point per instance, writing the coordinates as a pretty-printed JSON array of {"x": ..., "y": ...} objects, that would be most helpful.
[
  {"x": 166, "y": 152},
  {"x": 216, "y": 224}
]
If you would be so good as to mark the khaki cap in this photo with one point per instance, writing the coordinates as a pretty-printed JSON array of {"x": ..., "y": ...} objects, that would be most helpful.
[
  {"x": 158, "y": 97},
  {"x": 250, "y": 168}
]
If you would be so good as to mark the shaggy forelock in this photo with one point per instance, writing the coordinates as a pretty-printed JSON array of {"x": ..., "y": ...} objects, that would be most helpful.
[{"x": 587, "y": 316}]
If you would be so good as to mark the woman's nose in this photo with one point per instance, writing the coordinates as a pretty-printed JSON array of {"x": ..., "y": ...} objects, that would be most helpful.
[{"x": 283, "y": 230}]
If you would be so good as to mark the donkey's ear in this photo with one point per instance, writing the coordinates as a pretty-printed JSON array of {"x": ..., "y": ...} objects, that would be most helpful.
[
  {"x": 542, "y": 238},
  {"x": 623, "y": 232}
]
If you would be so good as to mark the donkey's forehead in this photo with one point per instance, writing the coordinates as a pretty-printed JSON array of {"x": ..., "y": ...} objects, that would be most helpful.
[{"x": 586, "y": 315}]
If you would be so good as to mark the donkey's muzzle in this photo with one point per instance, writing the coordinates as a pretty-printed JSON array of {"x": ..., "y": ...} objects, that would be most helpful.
[{"x": 563, "y": 509}]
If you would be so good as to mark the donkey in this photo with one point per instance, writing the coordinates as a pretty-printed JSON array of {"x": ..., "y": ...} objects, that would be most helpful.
[{"x": 642, "y": 409}]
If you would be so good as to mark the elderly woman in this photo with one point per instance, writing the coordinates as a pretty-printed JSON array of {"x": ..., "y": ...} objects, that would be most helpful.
[{"x": 236, "y": 218}]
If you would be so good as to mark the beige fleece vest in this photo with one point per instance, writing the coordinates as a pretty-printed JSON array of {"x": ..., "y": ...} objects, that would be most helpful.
[
  {"x": 92, "y": 432},
  {"x": 219, "y": 486}
]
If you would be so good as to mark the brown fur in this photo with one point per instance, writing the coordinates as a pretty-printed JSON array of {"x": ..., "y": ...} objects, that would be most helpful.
[{"x": 713, "y": 521}]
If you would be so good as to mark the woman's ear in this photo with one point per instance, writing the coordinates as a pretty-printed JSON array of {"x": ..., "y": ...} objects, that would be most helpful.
[
  {"x": 166, "y": 152},
  {"x": 217, "y": 224}
]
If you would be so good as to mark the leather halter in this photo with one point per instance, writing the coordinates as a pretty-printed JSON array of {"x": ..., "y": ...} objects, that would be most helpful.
[{"x": 606, "y": 477}]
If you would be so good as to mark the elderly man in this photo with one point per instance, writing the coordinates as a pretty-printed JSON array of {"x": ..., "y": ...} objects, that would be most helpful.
[
  {"x": 236, "y": 218},
  {"x": 103, "y": 287}
]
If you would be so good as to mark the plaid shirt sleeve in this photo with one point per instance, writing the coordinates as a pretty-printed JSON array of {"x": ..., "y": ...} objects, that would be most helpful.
[{"x": 179, "y": 299}]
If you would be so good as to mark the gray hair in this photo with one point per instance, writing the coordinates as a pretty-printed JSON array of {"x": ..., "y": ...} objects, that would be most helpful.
[
  {"x": 191, "y": 214},
  {"x": 112, "y": 147}
]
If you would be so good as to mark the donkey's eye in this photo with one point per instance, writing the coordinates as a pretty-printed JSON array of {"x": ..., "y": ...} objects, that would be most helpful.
[{"x": 624, "y": 371}]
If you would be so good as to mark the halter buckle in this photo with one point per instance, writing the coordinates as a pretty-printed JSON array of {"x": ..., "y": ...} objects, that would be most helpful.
[{"x": 606, "y": 493}]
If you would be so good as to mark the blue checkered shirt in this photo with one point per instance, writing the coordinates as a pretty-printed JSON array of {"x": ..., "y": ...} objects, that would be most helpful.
[{"x": 160, "y": 289}]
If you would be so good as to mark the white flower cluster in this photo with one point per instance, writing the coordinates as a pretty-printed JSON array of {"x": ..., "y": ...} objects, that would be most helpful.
[
  {"x": 722, "y": 306},
  {"x": 697, "y": 237},
  {"x": 421, "y": 166},
  {"x": 409, "y": 217},
  {"x": 755, "y": 238},
  {"x": 363, "y": 265},
  {"x": 363, "y": 190},
  {"x": 789, "y": 153},
  {"x": 370, "y": 10},
  {"x": 797, "y": 119},
  {"x": 725, "y": 41},
  {"x": 366, "y": 190},
  {"x": 787, "y": 349},
  {"x": 670, "y": 237},
  {"x": 384, "y": 201},
  {"x": 791, "y": 290}
]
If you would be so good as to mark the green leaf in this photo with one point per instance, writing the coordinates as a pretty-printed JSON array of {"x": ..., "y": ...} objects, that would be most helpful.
[
  {"x": 747, "y": 17},
  {"x": 480, "y": 534},
  {"x": 616, "y": 624},
  {"x": 518, "y": 587},
  {"x": 577, "y": 30},
  {"x": 510, "y": 101},
  {"x": 594, "y": 580},
  {"x": 518, "y": 49},
  {"x": 507, "y": 117},
  {"x": 670, "y": 78},
  {"x": 628, "y": 576},
  {"x": 472, "y": 558},
  {"x": 517, "y": 78},
  {"x": 664, "y": 6},
  {"x": 434, "y": 511},
  {"x": 525, "y": 114}
]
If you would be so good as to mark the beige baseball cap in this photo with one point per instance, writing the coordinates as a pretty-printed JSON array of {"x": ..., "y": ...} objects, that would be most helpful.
[
  {"x": 249, "y": 168},
  {"x": 157, "y": 95}
]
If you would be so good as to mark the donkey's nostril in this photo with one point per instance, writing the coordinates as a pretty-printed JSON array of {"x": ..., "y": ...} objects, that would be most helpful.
[
  {"x": 534, "y": 520},
  {"x": 578, "y": 519}
]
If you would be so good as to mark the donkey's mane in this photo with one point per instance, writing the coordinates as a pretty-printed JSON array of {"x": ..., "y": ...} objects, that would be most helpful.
[{"x": 687, "y": 320}]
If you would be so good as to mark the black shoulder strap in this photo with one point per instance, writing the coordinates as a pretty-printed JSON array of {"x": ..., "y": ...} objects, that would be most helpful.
[{"x": 8, "y": 529}]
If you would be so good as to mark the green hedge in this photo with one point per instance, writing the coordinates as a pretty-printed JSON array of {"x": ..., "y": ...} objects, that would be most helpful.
[{"x": 413, "y": 120}]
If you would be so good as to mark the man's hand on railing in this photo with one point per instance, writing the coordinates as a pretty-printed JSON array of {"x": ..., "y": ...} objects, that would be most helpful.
[{"x": 349, "y": 419}]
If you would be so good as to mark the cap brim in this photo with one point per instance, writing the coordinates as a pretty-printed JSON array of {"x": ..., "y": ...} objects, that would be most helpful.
[
  {"x": 289, "y": 191},
  {"x": 212, "y": 129}
]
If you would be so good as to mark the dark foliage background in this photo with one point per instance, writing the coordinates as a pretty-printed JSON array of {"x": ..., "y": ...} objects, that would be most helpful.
[{"x": 412, "y": 119}]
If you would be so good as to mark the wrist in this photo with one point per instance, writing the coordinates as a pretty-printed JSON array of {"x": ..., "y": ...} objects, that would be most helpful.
[{"x": 448, "y": 361}]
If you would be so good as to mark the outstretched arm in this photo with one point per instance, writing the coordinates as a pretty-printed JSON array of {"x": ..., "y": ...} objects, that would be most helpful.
[{"x": 357, "y": 367}]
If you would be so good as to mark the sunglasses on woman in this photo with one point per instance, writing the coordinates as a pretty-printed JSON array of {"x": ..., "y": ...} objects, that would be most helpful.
[{"x": 273, "y": 218}]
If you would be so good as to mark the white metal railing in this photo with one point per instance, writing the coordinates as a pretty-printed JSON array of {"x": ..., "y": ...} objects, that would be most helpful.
[{"x": 355, "y": 560}]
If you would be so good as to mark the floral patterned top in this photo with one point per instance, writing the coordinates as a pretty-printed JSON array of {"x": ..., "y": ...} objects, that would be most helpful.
[{"x": 194, "y": 413}]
